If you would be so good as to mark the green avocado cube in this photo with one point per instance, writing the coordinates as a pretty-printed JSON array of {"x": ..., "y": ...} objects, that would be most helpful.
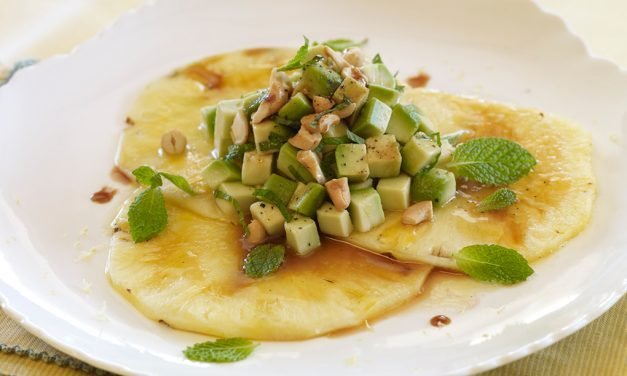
[
  {"x": 269, "y": 216},
  {"x": 379, "y": 74},
  {"x": 386, "y": 95},
  {"x": 351, "y": 90},
  {"x": 446, "y": 153},
  {"x": 297, "y": 107},
  {"x": 372, "y": 119},
  {"x": 384, "y": 156},
  {"x": 404, "y": 122},
  {"x": 269, "y": 135},
  {"x": 351, "y": 162},
  {"x": 308, "y": 199},
  {"x": 283, "y": 188},
  {"x": 225, "y": 114},
  {"x": 334, "y": 222},
  {"x": 289, "y": 166},
  {"x": 251, "y": 101},
  {"x": 319, "y": 79},
  {"x": 335, "y": 132},
  {"x": 208, "y": 115},
  {"x": 365, "y": 209},
  {"x": 301, "y": 234},
  {"x": 361, "y": 185},
  {"x": 419, "y": 154},
  {"x": 427, "y": 126},
  {"x": 243, "y": 194},
  {"x": 435, "y": 185},
  {"x": 256, "y": 167},
  {"x": 394, "y": 192},
  {"x": 219, "y": 171}
]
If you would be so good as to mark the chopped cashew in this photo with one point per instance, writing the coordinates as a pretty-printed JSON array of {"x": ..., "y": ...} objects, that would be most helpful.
[
  {"x": 346, "y": 111},
  {"x": 356, "y": 74},
  {"x": 174, "y": 142},
  {"x": 305, "y": 140},
  {"x": 418, "y": 213},
  {"x": 354, "y": 56},
  {"x": 327, "y": 121},
  {"x": 305, "y": 122},
  {"x": 339, "y": 192},
  {"x": 321, "y": 103},
  {"x": 240, "y": 128},
  {"x": 310, "y": 160},
  {"x": 256, "y": 233},
  {"x": 278, "y": 95},
  {"x": 337, "y": 60}
]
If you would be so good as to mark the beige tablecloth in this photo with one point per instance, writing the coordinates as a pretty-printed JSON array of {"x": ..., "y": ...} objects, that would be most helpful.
[{"x": 40, "y": 28}]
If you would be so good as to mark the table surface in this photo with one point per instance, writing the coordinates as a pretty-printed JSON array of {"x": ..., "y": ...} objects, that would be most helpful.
[{"x": 37, "y": 29}]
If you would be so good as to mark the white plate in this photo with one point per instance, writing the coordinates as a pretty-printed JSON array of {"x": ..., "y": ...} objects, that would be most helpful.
[{"x": 61, "y": 119}]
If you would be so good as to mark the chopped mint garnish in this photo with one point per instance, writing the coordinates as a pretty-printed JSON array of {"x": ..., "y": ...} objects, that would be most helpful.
[
  {"x": 224, "y": 350},
  {"x": 147, "y": 215},
  {"x": 491, "y": 160},
  {"x": 343, "y": 43},
  {"x": 179, "y": 181},
  {"x": 377, "y": 59},
  {"x": 500, "y": 199},
  {"x": 297, "y": 61},
  {"x": 493, "y": 263},
  {"x": 263, "y": 260}
]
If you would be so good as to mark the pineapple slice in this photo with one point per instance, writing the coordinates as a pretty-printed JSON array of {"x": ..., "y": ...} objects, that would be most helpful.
[{"x": 190, "y": 276}]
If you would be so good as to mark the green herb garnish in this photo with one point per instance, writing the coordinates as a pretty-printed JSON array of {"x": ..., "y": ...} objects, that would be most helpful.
[
  {"x": 147, "y": 215},
  {"x": 251, "y": 106},
  {"x": 500, "y": 199},
  {"x": 272, "y": 198},
  {"x": 377, "y": 59},
  {"x": 236, "y": 152},
  {"x": 275, "y": 141},
  {"x": 297, "y": 61},
  {"x": 491, "y": 160},
  {"x": 342, "y": 43},
  {"x": 493, "y": 263},
  {"x": 224, "y": 350},
  {"x": 263, "y": 260}
]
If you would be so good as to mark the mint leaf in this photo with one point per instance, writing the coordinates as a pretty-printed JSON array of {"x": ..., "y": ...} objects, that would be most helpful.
[
  {"x": 297, "y": 61},
  {"x": 275, "y": 141},
  {"x": 342, "y": 43},
  {"x": 147, "y": 215},
  {"x": 145, "y": 175},
  {"x": 272, "y": 198},
  {"x": 500, "y": 199},
  {"x": 224, "y": 350},
  {"x": 377, "y": 59},
  {"x": 235, "y": 152},
  {"x": 263, "y": 260},
  {"x": 492, "y": 160},
  {"x": 253, "y": 104},
  {"x": 179, "y": 181},
  {"x": 493, "y": 263},
  {"x": 236, "y": 205}
]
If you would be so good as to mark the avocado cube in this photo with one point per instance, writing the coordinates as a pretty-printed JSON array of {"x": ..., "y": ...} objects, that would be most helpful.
[
  {"x": 372, "y": 119},
  {"x": 307, "y": 199},
  {"x": 251, "y": 101},
  {"x": 351, "y": 162},
  {"x": 446, "y": 153},
  {"x": 256, "y": 168},
  {"x": 208, "y": 115},
  {"x": 435, "y": 185},
  {"x": 379, "y": 74},
  {"x": 361, "y": 185},
  {"x": 267, "y": 133},
  {"x": 404, "y": 122},
  {"x": 269, "y": 216},
  {"x": 334, "y": 222},
  {"x": 384, "y": 156},
  {"x": 225, "y": 114},
  {"x": 419, "y": 154},
  {"x": 219, "y": 171},
  {"x": 365, "y": 209},
  {"x": 319, "y": 79},
  {"x": 384, "y": 94},
  {"x": 283, "y": 188},
  {"x": 351, "y": 90},
  {"x": 427, "y": 126},
  {"x": 243, "y": 194},
  {"x": 394, "y": 192},
  {"x": 297, "y": 107},
  {"x": 289, "y": 166},
  {"x": 336, "y": 131},
  {"x": 301, "y": 234}
]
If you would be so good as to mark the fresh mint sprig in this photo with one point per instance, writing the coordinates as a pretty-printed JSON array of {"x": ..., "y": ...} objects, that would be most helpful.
[
  {"x": 298, "y": 60},
  {"x": 224, "y": 350},
  {"x": 493, "y": 263},
  {"x": 498, "y": 200},
  {"x": 147, "y": 215},
  {"x": 491, "y": 160},
  {"x": 263, "y": 260}
]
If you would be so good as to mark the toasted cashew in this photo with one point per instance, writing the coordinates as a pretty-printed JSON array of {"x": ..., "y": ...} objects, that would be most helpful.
[
  {"x": 174, "y": 142},
  {"x": 339, "y": 192},
  {"x": 305, "y": 140},
  {"x": 240, "y": 128},
  {"x": 321, "y": 103},
  {"x": 356, "y": 74},
  {"x": 256, "y": 233},
  {"x": 327, "y": 121},
  {"x": 354, "y": 56},
  {"x": 279, "y": 94},
  {"x": 337, "y": 60},
  {"x": 418, "y": 213},
  {"x": 310, "y": 160}
]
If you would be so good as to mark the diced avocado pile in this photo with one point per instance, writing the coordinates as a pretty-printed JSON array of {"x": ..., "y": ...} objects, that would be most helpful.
[{"x": 286, "y": 172}]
